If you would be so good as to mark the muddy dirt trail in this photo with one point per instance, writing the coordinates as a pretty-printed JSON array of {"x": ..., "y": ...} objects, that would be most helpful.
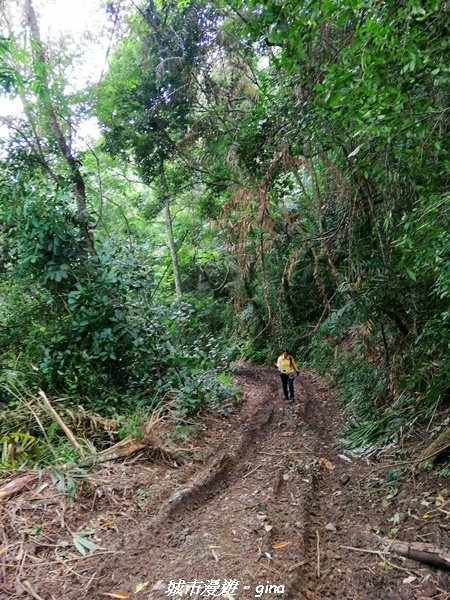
[{"x": 270, "y": 507}]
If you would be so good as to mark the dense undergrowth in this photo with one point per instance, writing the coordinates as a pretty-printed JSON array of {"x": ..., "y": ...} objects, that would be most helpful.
[{"x": 86, "y": 330}]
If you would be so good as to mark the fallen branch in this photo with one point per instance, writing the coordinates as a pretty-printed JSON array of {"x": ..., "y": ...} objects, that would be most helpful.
[
  {"x": 27, "y": 587},
  {"x": 429, "y": 554},
  {"x": 440, "y": 445},
  {"x": 252, "y": 471},
  {"x": 363, "y": 550},
  {"x": 13, "y": 487},
  {"x": 130, "y": 445},
  {"x": 122, "y": 449},
  {"x": 318, "y": 554},
  {"x": 72, "y": 439}
]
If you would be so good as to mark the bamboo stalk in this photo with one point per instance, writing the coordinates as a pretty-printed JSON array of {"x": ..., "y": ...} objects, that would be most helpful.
[{"x": 70, "y": 436}]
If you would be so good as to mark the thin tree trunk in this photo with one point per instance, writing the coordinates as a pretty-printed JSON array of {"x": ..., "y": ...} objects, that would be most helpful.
[
  {"x": 63, "y": 145},
  {"x": 265, "y": 283},
  {"x": 169, "y": 229},
  {"x": 172, "y": 248}
]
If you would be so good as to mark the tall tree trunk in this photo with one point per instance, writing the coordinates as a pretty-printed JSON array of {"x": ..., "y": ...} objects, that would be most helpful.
[{"x": 41, "y": 66}]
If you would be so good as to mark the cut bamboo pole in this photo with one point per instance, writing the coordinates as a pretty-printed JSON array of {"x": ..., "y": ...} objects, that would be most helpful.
[
  {"x": 70, "y": 436},
  {"x": 13, "y": 487},
  {"x": 430, "y": 554}
]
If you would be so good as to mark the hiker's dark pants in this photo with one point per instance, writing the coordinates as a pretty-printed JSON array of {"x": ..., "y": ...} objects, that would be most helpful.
[{"x": 288, "y": 385}]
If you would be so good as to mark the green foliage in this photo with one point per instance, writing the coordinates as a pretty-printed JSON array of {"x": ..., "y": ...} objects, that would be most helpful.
[
  {"x": 43, "y": 221},
  {"x": 445, "y": 470},
  {"x": 82, "y": 543},
  {"x": 17, "y": 450},
  {"x": 111, "y": 349},
  {"x": 9, "y": 77},
  {"x": 362, "y": 390},
  {"x": 424, "y": 242},
  {"x": 145, "y": 109},
  {"x": 66, "y": 481},
  {"x": 360, "y": 94},
  {"x": 87, "y": 328}
]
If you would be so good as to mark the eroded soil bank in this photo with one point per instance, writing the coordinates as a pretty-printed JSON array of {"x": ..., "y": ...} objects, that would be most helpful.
[{"x": 267, "y": 506}]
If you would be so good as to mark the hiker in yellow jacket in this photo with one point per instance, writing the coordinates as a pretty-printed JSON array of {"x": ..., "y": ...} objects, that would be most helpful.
[{"x": 288, "y": 370}]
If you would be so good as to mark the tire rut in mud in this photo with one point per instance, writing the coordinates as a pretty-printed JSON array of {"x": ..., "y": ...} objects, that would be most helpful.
[
  {"x": 266, "y": 506},
  {"x": 229, "y": 468},
  {"x": 252, "y": 455},
  {"x": 226, "y": 467},
  {"x": 222, "y": 473},
  {"x": 225, "y": 470},
  {"x": 306, "y": 581}
]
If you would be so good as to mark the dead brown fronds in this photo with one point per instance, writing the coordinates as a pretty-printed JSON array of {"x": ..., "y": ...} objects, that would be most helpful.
[
  {"x": 283, "y": 161},
  {"x": 90, "y": 422},
  {"x": 250, "y": 233},
  {"x": 291, "y": 262},
  {"x": 197, "y": 131},
  {"x": 158, "y": 426},
  {"x": 31, "y": 416},
  {"x": 39, "y": 523},
  {"x": 150, "y": 444}
]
